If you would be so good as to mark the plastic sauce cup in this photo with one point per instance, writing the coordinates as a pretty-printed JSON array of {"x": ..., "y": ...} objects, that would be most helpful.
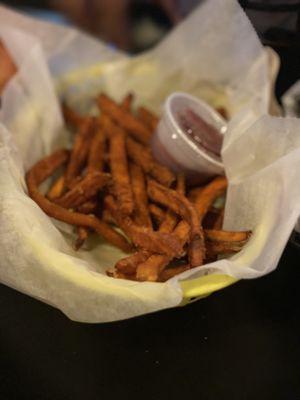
[{"x": 189, "y": 138}]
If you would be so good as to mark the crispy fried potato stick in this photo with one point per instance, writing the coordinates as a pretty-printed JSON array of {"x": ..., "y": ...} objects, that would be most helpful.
[
  {"x": 84, "y": 190},
  {"x": 170, "y": 220},
  {"x": 107, "y": 217},
  {"x": 180, "y": 186},
  {"x": 129, "y": 264},
  {"x": 194, "y": 193},
  {"x": 226, "y": 236},
  {"x": 150, "y": 269},
  {"x": 119, "y": 275},
  {"x": 142, "y": 156},
  {"x": 147, "y": 118},
  {"x": 145, "y": 238},
  {"x": 209, "y": 194},
  {"x": 123, "y": 118},
  {"x": 218, "y": 224},
  {"x": 57, "y": 188},
  {"x": 183, "y": 207},
  {"x": 82, "y": 235},
  {"x": 216, "y": 248},
  {"x": 71, "y": 117},
  {"x": 80, "y": 151},
  {"x": 45, "y": 168},
  {"x": 141, "y": 209},
  {"x": 169, "y": 273},
  {"x": 97, "y": 150},
  {"x": 119, "y": 171},
  {"x": 89, "y": 207},
  {"x": 157, "y": 213},
  {"x": 127, "y": 102}
]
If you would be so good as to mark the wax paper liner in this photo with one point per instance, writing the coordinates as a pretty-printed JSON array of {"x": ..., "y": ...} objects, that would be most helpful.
[{"x": 214, "y": 54}]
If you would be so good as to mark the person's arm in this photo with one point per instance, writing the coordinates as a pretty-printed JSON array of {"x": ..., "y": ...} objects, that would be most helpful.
[{"x": 7, "y": 67}]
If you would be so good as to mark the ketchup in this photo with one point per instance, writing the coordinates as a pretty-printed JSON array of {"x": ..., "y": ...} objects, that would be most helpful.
[{"x": 202, "y": 134}]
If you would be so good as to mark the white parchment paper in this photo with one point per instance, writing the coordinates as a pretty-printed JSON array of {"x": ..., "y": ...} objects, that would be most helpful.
[{"x": 214, "y": 54}]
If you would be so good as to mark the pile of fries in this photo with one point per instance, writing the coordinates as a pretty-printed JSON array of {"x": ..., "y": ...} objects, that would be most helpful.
[{"x": 109, "y": 183}]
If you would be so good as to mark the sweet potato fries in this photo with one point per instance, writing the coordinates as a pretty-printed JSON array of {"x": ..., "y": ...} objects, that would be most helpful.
[{"x": 110, "y": 184}]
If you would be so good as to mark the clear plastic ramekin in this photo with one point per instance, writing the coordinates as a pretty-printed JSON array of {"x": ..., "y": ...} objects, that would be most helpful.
[{"x": 172, "y": 147}]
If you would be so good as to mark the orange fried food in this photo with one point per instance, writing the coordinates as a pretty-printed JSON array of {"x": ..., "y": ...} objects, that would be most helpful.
[
  {"x": 127, "y": 102},
  {"x": 141, "y": 209},
  {"x": 183, "y": 207},
  {"x": 119, "y": 171},
  {"x": 128, "y": 265},
  {"x": 72, "y": 118},
  {"x": 142, "y": 156},
  {"x": 150, "y": 269},
  {"x": 169, "y": 273},
  {"x": 84, "y": 190},
  {"x": 57, "y": 188},
  {"x": 96, "y": 154},
  {"x": 148, "y": 118},
  {"x": 145, "y": 238},
  {"x": 89, "y": 207},
  {"x": 226, "y": 236},
  {"x": 45, "y": 168},
  {"x": 80, "y": 151},
  {"x": 157, "y": 213},
  {"x": 124, "y": 118},
  {"x": 82, "y": 235},
  {"x": 205, "y": 198}
]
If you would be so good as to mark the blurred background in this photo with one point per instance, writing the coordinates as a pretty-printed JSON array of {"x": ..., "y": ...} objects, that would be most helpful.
[{"x": 137, "y": 25}]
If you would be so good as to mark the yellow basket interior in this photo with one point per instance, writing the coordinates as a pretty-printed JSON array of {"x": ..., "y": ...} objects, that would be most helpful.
[{"x": 198, "y": 288}]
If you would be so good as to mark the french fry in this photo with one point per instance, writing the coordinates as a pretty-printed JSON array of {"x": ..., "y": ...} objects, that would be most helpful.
[
  {"x": 226, "y": 236},
  {"x": 209, "y": 194},
  {"x": 84, "y": 190},
  {"x": 45, "y": 168},
  {"x": 150, "y": 269},
  {"x": 141, "y": 210},
  {"x": 123, "y": 118},
  {"x": 142, "y": 156},
  {"x": 82, "y": 235},
  {"x": 80, "y": 151},
  {"x": 127, "y": 102},
  {"x": 169, "y": 273},
  {"x": 183, "y": 207},
  {"x": 128, "y": 265},
  {"x": 180, "y": 186},
  {"x": 145, "y": 238},
  {"x": 194, "y": 193},
  {"x": 147, "y": 118},
  {"x": 72, "y": 118},
  {"x": 119, "y": 171},
  {"x": 170, "y": 220},
  {"x": 157, "y": 213},
  {"x": 218, "y": 223},
  {"x": 119, "y": 275},
  {"x": 89, "y": 207},
  {"x": 97, "y": 150},
  {"x": 217, "y": 248},
  {"x": 57, "y": 188}
]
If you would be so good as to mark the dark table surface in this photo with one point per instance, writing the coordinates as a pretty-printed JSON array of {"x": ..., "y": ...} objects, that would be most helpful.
[{"x": 240, "y": 343}]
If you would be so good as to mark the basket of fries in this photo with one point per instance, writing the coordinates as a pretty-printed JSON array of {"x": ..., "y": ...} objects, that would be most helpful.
[{"x": 91, "y": 222}]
